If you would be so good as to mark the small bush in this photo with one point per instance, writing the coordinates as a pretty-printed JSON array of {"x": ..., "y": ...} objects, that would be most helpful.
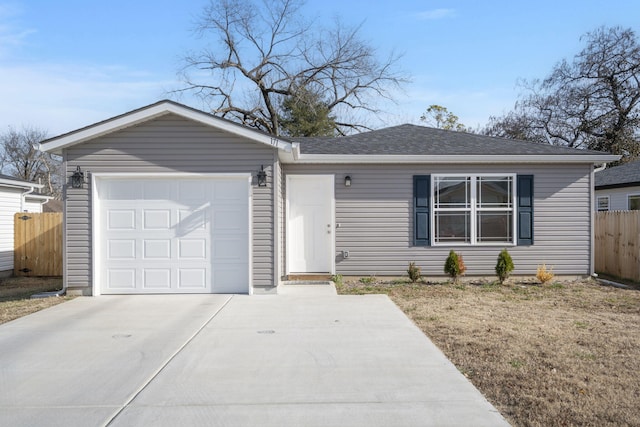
[
  {"x": 337, "y": 279},
  {"x": 414, "y": 272},
  {"x": 544, "y": 275},
  {"x": 454, "y": 265},
  {"x": 504, "y": 267}
]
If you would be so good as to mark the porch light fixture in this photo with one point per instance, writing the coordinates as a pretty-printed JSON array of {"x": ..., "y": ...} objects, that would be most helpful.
[
  {"x": 262, "y": 177},
  {"x": 347, "y": 181},
  {"x": 77, "y": 179}
]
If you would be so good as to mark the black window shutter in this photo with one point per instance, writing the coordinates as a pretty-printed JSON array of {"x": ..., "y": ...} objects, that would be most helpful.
[
  {"x": 525, "y": 209},
  {"x": 421, "y": 217}
]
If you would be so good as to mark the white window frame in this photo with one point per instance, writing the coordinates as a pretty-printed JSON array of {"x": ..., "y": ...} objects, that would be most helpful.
[
  {"x": 473, "y": 209},
  {"x": 629, "y": 196},
  {"x": 598, "y": 203}
]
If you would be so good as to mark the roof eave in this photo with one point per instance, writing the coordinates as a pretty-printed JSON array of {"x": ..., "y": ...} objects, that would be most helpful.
[
  {"x": 452, "y": 159},
  {"x": 57, "y": 144},
  {"x": 19, "y": 184}
]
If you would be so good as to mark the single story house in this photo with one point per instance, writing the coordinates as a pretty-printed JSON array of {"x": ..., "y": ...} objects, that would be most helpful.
[
  {"x": 170, "y": 199},
  {"x": 15, "y": 196},
  {"x": 618, "y": 188}
]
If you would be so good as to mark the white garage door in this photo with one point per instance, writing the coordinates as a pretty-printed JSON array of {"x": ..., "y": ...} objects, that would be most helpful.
[{"x": 180, "y": 235}]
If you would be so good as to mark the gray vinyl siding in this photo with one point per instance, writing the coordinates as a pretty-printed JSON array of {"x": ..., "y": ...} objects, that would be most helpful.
[
  {"x": 376, "y": 220},
  {"x": 167, "y": 144},
  {"x": 618, "y": 197}
]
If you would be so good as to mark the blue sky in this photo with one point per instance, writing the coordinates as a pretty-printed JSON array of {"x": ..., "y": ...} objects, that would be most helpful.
[{"x": 66, "y": 64}]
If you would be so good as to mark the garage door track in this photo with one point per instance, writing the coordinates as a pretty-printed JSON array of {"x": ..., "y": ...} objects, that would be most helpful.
[{"x": 287, "y": 360}]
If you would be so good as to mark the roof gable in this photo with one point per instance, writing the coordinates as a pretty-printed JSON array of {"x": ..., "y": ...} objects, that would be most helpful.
[{"x": 150, "y": 112}]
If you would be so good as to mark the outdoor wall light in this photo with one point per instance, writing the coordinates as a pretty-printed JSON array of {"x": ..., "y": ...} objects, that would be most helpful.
[
  {"x": 77, "y": 179},
  {"x": 262, "y": 177},
  {"x": 347, "y": 181}
]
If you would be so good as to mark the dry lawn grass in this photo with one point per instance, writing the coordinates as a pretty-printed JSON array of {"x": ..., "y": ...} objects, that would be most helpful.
[
  {"x": 15, "y": 294},
  {"x": 563, "y": 354}
]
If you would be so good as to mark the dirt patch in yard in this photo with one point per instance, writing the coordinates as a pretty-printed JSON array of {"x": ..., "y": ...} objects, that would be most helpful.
[
  {"x": 563, "y": 354},
  {"x": 15, "y": 296}
]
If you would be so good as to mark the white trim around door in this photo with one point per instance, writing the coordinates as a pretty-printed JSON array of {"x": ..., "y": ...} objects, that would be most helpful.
[{"x": 310, "y": 224}]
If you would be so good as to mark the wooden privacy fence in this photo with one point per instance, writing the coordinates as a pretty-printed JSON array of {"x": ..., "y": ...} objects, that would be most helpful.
[
  {"x": 617, "y": 244},
  {"x": 37, "y": 244}
]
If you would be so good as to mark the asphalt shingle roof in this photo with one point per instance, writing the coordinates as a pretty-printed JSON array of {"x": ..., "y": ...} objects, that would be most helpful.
[
  {"x": 410, "y": 139},
  {"x": 628, "y": 173}
]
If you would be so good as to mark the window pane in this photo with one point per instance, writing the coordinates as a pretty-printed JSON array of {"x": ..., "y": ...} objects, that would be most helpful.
[
  {"x": 494, "y": 192},
  {"x": 453, "y": 227},
  {"x": 603, "y": 203},
  {"x": 495, "y": 227},
  {"x": 634, "y": 203},
  {"x": 452, "y": 192}
]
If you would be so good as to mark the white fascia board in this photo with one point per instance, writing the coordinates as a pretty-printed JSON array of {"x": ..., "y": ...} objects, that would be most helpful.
[
  {"x": 451, "y": 159},
  {"x": 19, "y": 184},
  {"x": 55, "y": 145}
]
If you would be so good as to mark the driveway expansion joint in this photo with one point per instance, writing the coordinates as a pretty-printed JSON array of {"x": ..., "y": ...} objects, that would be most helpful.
[{"x": 165, "y": 363}]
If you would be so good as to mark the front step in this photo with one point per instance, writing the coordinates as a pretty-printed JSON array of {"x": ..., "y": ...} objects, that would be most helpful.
[{"x": 308, "y": 277}]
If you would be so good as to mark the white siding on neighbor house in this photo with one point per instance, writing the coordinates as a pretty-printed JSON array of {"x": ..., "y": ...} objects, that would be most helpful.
[
  {"x": 9, "y": 206},
  {"x": 617, "y": 197},
  {"x": 33, "y": 206},
  {"x": 167, "y": 144},
  {"x": 376, "y": 220}
]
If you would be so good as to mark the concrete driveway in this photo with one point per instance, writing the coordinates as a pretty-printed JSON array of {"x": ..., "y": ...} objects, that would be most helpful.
[{"x": 286, "y": 360}]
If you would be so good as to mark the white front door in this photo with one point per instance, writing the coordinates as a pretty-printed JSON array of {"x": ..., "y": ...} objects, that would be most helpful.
[
  {"x": 310, "y": 230},
  {"x": 173, "y": 235}
]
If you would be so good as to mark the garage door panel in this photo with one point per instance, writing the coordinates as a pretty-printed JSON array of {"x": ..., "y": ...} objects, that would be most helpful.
[
  {"x": 156, "y": 219},
  {"x": 120, "y": 219},
  {"x": 192, "y": 219},
  {"x": 156, "y": 278},
  {"x": 192, "y": 278},
  {"x": 118, "y": 278},
  {"x": 157, "y": 249},
  {"x": 192, "y": 249},
  {"x": 121, "y": 249},
  {"x": 178, "y": 236}
]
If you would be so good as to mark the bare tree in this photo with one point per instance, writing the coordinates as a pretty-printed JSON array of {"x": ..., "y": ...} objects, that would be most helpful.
[
  {"x": 20, "y": 158},
  {"x": 266, "y": 50},
  {"x": 440, "y": 117},
  {"x": 590, "y": 102}
]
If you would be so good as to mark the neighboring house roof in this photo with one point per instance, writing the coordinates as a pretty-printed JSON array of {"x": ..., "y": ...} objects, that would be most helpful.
[
  {"x": 398, "y": 144},
  {"x": 627, "y": 175},
  {"x": 9, "y": 181}
]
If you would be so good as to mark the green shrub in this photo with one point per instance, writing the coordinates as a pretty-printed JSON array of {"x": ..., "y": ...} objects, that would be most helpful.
[
  {"x": 504, "y": 267},
  {"x": 454, "y": 265},
  {"x": 414, "y": 272},
  {"x": 337, "y": 279}
]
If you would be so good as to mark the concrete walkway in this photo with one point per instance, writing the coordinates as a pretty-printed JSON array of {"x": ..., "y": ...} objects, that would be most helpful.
[{"x": 286, "y": 360}]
